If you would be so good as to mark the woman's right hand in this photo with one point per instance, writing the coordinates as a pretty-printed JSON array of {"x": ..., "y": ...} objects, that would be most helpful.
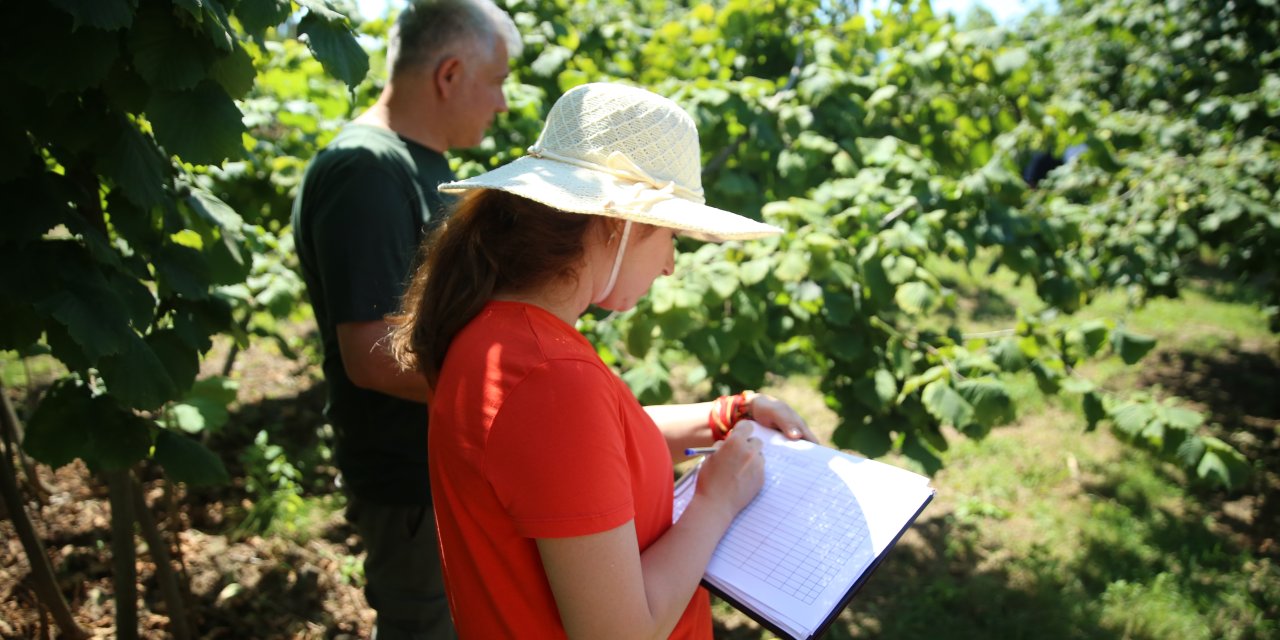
[{"x": 734, "y": 474}]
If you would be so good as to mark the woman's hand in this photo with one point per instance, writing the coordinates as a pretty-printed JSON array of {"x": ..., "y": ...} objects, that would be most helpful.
[
  {"x": 772, "y": 412},
  {"x": 734, "y": 474}
]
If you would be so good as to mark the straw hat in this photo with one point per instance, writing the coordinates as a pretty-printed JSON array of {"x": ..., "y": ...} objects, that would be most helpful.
[{"x": 619, "y": 151}]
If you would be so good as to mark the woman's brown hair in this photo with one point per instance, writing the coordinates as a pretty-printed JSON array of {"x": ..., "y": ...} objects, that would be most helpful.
[{"x": 494, "y": 241}]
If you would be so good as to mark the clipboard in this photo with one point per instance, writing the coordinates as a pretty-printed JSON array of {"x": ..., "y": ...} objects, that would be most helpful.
[{"x": 794, "y": 558}]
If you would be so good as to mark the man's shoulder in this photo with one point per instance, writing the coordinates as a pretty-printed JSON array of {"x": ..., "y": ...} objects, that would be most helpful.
[
  {"x": 361, "y": 146},
  {"x": 356, "y": 142}
]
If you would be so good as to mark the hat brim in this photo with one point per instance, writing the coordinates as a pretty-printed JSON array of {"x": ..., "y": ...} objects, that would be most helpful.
[{"x": 578, "y": 189}]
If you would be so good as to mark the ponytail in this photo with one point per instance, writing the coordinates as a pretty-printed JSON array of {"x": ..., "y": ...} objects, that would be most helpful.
[{"x": 494, "y": 242}]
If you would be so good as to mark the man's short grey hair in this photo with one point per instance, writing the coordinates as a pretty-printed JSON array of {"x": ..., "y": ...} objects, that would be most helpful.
[{"x": 428, "y": 31}]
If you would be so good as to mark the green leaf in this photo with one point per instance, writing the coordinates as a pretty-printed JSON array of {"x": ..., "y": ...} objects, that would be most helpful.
[
  {"x": 164, "y": 52},
  {"x": 58, "y": 430},
  {"x": 1047, "y": 379},
  {"x": 201, "y": 126},
  {"x": 1132, "y": 418},
  {"x": 118, "y": 439},
  {"x": 182, "y": 270},
  {"x": 865, "y": 439},
  {"x": 1072, "y": 384},
  {"x": 205, "y": 407},
  {"x": 839, "y": 306},
  {"x": 185, "y": 460},
  {"x": 877, "y": 392},
  {"x": 918, "y": 451},
  {"x": 550, "y": 60},
  {"x": 915, "y": 298},
  {"x": 882, "y": 94},
  {"x": 196, "y": 320},
  {"x": 639, "y": 335},
  {"x": 137, "y": 377},
  {"x": 886, "y": 386},
  {"x": 93, "y": 314},
  {"x": 1008, "y": 355},
  {"x": 910, "y": 385},
  {"x": 899, "y": 268},
  {"x": 217, "y": 26},
  {"x": 793, "y": 267},
  {"x": 235, "y": 72},
  {"x": 992, "y": 404},
  {"x": 21, "y": 326},
  {"x": 60, "y": 61},
  {"x": 1011, "y": 60},
  {"x": 180, "y": 360},
  {"x": 257, "y": 16},
  {"x": 1131, "y": 347},
  {"x": 336, "y": 48},
  {"x": 847, "y": 345},
  {"x": 1213, "y": 468},
  {"x": 1094, "y": 410},
  {"x": 1228, "y": 467},
  {"x": 753, "y": 271},
  {"x": 650, "y": 381},
  {"x": 1191, "y": 451},
  {"x": 943, "y": 403},
  {"x": 324, "y": 10},
  {"x": 32, "y": 207},
  {"x": 194, "y": 8},
  {"x": 108, "y": 15},
  {"x": 1181, "y": 419},
  {"x": 137, "y": 166},
  {"x": 70, "y": 423},
  {"x": 1095, "y": 336},
  {"x": 722, "y": 277}
]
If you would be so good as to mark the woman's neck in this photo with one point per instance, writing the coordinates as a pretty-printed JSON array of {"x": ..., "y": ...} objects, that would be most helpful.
[
  {"x": 564, "y": 302},
  {"x": 568, "y": 298}
]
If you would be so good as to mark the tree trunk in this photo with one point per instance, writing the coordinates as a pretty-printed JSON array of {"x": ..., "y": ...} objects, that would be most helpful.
[
  {"x": 46, "y": 586},
  {"x": 123, "y": 554},
  {"x": 165, "y": 575},
  {"x": 11, "y": 431}
]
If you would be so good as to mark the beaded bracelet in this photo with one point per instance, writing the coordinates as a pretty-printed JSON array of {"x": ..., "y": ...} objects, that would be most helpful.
[{"x": 726, "y": 411}]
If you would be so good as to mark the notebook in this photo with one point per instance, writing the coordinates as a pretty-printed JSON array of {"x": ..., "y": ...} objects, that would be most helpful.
[{"x": 794, "y": 557}]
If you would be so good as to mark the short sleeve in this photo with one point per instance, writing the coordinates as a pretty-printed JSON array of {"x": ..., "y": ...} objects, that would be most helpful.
[
  {"x": 365, "y": 238},
  {"x": 556, "y": 453}
]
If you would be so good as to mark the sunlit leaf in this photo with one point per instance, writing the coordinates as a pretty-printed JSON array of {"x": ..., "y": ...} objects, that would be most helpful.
[
  {"x": 943, "y": 403},
  {"x": 335, "y": 47}
]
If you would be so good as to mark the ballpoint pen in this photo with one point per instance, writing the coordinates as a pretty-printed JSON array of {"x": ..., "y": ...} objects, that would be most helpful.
[{"x": 700, "y": 451}]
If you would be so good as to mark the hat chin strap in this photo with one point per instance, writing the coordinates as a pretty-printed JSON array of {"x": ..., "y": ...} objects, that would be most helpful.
[{"x": 617, "y": 264}]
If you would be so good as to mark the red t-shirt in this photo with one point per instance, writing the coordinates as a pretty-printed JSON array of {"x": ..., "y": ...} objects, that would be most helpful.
[{"x": 532, "y": 436}]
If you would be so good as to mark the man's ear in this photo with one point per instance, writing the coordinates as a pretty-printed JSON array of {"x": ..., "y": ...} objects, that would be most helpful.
[{"x": 447, "y": 76}]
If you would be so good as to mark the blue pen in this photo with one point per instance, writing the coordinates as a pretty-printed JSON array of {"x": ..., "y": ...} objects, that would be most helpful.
[{"x": 699, "y": 451}]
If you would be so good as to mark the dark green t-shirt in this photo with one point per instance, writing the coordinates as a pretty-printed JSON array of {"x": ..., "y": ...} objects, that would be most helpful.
[{"x": 365, "y": 203}]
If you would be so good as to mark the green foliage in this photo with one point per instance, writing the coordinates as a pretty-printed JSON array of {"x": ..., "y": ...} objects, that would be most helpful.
[
  {"x": 876, "y": 146},
  {"x": 277, "y": 484},
  {"x": 117, "y": 254},
  {"x": 156, "y": 153}
]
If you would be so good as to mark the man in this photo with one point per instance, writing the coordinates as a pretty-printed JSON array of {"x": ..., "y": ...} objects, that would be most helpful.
[{"x": 365, "y": 203}]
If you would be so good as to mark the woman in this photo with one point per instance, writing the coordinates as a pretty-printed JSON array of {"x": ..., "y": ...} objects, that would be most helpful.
[{"x": 552, "y": 485}]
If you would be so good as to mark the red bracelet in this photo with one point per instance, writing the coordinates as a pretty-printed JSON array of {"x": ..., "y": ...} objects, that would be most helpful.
[{"x": 727, "y": 411}]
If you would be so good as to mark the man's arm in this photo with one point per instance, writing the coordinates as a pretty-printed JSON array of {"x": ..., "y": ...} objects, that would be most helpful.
[{"x": 369, "y": 364}]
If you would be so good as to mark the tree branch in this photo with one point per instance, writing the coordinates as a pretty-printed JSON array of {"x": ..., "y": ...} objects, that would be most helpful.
[{"x": 46, "y": 585}]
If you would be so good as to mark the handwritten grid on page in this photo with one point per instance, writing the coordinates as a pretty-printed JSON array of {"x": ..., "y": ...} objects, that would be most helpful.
[{"x": 803, "y": 531}]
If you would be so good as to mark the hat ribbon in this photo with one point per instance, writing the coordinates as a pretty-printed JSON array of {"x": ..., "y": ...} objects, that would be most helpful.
[{"x": 640, "y": 190}]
